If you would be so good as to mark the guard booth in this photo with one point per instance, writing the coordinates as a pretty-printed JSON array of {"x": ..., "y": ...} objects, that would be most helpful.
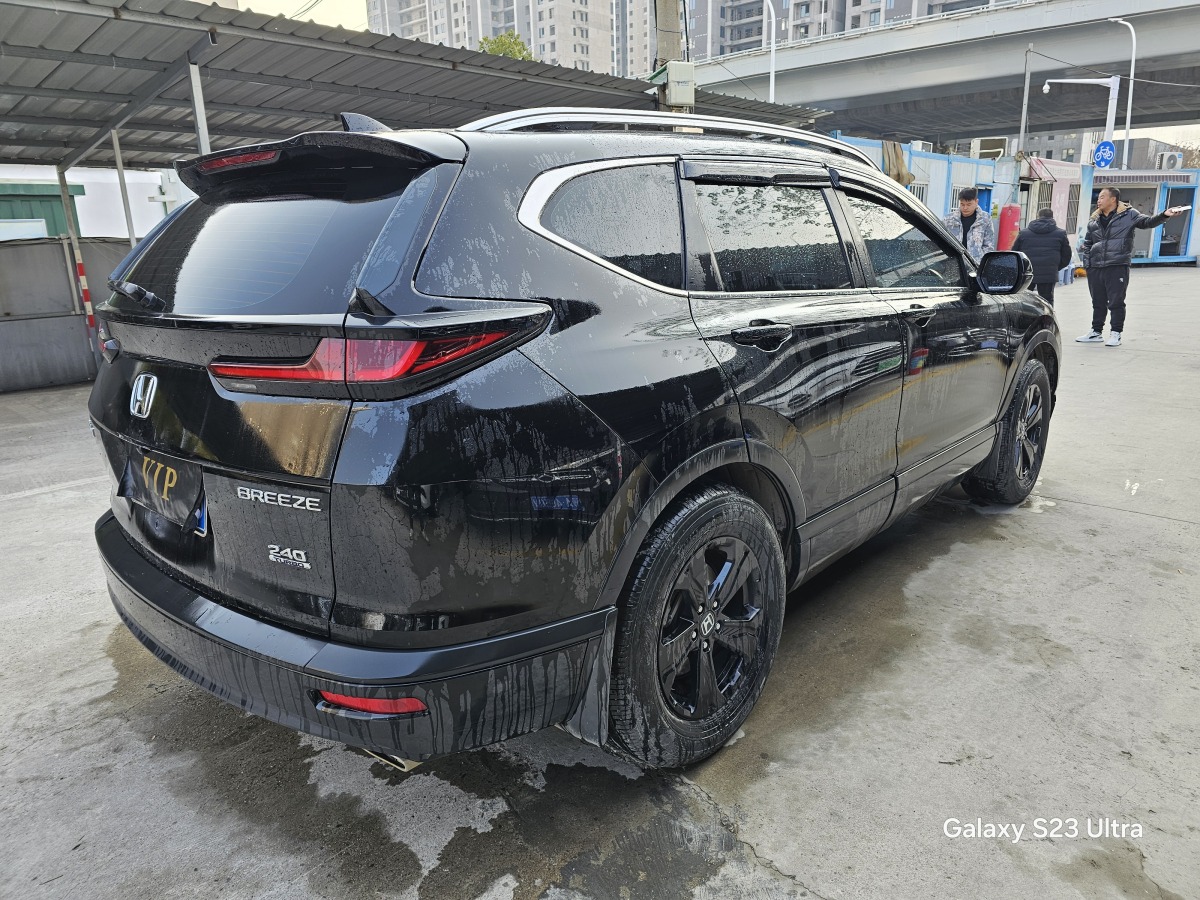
[
  {"x": 1071, "y": 190},
  {"x": 1151, "y": 191}
]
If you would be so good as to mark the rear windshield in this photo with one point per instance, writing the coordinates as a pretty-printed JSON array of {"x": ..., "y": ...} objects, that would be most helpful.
[{"x": 280, "y": 245}]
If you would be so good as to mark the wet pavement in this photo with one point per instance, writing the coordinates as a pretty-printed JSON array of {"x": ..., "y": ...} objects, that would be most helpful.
[{"x": 992, "y": 667}]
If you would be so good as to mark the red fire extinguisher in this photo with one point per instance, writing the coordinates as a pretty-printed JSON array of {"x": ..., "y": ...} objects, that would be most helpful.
[{"x": 1010, "y": 224}]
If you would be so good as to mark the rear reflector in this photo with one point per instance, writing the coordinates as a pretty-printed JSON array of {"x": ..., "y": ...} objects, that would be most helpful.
[
  {"x": 238, "y": 159},
  {"x": 384, "y": 706},
  {"x": 363, "y": 361}
]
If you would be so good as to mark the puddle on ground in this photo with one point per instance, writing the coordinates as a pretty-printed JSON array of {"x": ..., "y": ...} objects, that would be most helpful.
[
  {"x": 539, "y": 816},
  {"x": 542, "y": 816},
  {"x": 1096, "y": 870}
]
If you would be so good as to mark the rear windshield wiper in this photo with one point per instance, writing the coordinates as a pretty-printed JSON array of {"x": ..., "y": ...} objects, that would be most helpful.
[{"x": 138, "y": 294}]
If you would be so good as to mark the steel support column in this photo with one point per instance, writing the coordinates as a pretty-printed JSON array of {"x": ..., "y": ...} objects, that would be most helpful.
[
  {"x": 124, "y": 189},
  {"x": 145, "y": 95},
  {"x": 198, "y": 108}
]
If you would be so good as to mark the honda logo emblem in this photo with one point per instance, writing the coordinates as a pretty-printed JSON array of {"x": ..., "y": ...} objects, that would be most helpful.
[{"x": 142, "y": 397}]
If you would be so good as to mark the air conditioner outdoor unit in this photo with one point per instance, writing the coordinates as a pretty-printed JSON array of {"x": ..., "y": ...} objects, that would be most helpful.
[
  {"x": 1171, "y": 160},
  {"x": 989, "y": 148},
  {"x": 922, "y": 146}
]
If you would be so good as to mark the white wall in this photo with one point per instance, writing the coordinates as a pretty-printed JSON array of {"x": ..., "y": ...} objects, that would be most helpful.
[{"x": 100, "y": 212}]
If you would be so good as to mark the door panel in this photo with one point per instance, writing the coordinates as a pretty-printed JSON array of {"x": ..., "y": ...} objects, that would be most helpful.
[
  {"x": 955, "y": 368},
  {"x": 829, "y": 398},
  {"x": 814, "y": 357},
  {"x": 955, "y": 337}
]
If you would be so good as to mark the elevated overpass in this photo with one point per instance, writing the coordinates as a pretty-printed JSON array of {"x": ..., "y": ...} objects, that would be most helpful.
[{"x": 961, "y": 75}]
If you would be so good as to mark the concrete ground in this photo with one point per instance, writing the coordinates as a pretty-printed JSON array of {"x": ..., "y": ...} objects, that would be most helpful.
[{"x": 979, "y": 665}]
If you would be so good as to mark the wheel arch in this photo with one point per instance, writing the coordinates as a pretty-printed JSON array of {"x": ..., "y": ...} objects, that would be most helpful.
[
  {"x": 754, "y": 468},
  {"x": 1043, "y": 345}
]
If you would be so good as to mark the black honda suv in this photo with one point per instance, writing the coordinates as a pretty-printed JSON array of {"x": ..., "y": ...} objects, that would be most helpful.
[{"x": 420, "y": 440}]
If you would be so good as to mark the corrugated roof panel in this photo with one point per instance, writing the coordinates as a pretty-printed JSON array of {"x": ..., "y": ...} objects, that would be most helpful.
[
  {"x": 69, "y": 32},
  {"x": 312, "y": 55},
  {"x": 23, "y": 72},
  {"x": 77, "y": 76},
  {"x": 27, "y": 27}
]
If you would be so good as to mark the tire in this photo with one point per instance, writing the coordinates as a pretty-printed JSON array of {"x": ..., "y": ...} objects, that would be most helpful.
[
  {"x": 1009, "y": 474},
  {"x": 705, "y": 606}
]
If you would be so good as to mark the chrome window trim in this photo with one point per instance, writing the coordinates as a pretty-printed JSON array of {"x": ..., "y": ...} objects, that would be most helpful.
[{"x": 529, "y": 213}]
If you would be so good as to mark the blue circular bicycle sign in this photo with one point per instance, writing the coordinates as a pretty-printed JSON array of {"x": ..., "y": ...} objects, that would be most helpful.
[{"x": 1104, "y": 154}]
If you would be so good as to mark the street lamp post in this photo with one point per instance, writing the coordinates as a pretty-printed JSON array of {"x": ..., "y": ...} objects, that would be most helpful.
[
  {"x": 771, "y": 81},
  {"x": 1024, "y": 105},
  {"x": 1128, "y": 94},
  {"x": 1114, "y": 87}
]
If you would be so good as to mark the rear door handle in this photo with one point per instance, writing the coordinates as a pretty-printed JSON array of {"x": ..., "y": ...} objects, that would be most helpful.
[
  {"x": 919, "y": 315},
  {"x": 765, "y": 335}
]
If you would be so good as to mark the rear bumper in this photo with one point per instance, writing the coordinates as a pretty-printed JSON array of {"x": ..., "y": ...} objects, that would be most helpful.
[{"x": 477, "y": 693}]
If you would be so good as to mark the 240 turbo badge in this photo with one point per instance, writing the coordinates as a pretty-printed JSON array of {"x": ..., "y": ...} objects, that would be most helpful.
[{"x": 289, "y": 556}]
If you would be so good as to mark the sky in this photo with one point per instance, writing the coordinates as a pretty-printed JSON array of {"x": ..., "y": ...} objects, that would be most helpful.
[{"x": 353, "y": 14}]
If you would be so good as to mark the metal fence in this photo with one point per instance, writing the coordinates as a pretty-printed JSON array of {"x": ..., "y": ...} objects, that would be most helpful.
[{"x": 44, "y": 337}]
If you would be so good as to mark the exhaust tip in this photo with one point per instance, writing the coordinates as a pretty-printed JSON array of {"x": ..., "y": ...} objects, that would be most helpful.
[{"x": 396, "y": 762}]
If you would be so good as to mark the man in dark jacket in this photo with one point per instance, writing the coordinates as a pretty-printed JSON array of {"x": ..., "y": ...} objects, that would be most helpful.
[
  {"x": 1107, "y": 250},
  {"x": 1048, "y": 249}
]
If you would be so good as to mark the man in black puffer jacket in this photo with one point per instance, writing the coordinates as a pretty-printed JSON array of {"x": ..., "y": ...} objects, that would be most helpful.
[
  {"x": 1108, "y": 249},
  {"x": 1048, "y": 249}
]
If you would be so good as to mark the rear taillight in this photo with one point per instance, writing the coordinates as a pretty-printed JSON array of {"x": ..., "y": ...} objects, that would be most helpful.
[
  {"x": 368, "y": 361},
  {"x": 238, "y": 159},
  {"x": 359, "y": 361},
  {"x": 328, "y": 363},
  {"x": 380, "y": 706}
]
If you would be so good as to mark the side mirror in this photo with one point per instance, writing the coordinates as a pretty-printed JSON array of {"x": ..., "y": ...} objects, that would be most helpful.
[{"x": 1004, "y": 272}]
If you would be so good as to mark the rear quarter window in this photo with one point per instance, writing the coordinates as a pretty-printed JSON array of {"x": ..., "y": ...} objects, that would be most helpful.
[{"x": 628, "y": 216}]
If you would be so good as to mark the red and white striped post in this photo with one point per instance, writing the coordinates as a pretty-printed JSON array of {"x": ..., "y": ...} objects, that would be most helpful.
[{"x": 80, "y": 273}]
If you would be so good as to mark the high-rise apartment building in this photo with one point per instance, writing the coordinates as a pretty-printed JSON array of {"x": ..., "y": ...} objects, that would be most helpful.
[
  {"x": 634, "y": 38},
  {"x": 455, "y": 23},
  {"x": 619, "y": 36},
  {"x": 577, "y": 34},
  {"x": 739, "y": 25},
  {"x": 573, "y": 33}
]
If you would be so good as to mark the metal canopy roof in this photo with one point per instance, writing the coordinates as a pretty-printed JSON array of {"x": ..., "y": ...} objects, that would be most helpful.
[{"x": 72, "y": 70}]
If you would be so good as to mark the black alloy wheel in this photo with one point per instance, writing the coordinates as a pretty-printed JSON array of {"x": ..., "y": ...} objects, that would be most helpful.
[
  {"x": 711, "y": 629},
  {"x": 1009, "y": 474},
  {"x": 1029, "y": 444},
  {"x": 700, "y": 623}
]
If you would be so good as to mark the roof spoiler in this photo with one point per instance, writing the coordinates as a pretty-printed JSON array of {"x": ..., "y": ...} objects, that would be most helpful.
[{"x": 404, "y": 148}]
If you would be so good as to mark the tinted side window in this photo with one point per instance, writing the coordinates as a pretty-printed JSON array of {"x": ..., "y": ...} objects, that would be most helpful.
[
  {"x": 901, "y": 252},
  {"x": 628, "y": 216},
  {"x": 772, "y": 238}
]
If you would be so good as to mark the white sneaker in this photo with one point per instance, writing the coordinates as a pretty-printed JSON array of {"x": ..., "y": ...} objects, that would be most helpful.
[
  {"x": 1114, "y": 339},
  {"x": 1092, "y": 337}
]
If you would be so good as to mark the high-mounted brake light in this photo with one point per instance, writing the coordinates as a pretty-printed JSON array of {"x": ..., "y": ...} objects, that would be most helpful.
[
  {"x": 238, "y": 159},
  {"x": 363, "y": 361},
  {"x": 384, "y": 706}
]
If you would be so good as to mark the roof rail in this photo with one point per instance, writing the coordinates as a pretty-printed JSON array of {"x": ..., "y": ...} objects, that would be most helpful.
[{"x": 567, "y": 118}]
